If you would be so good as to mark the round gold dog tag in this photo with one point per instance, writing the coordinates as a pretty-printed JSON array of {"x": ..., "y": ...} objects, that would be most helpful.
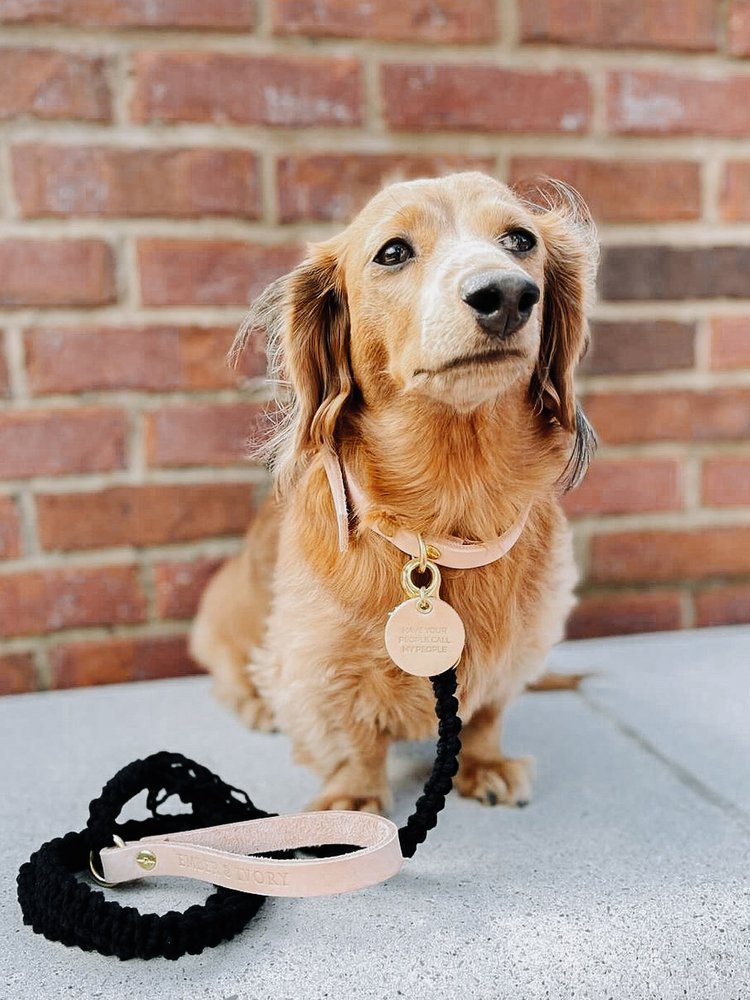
[{"x": 424, "y": 636}]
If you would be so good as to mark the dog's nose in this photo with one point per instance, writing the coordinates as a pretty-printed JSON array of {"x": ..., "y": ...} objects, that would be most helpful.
[{"x": 502, "y": 302}]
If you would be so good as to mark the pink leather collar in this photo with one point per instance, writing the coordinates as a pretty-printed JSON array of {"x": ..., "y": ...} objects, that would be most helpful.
[{"x": 453, "y": 552}]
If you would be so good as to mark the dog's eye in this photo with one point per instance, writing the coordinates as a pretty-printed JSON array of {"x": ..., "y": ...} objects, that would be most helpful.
[
  {"x": 518, "y": 241},
  {"x": 394, "y": 252}
]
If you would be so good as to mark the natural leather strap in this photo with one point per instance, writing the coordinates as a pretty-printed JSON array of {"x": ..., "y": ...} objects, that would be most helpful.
[
  {"x": 453, "y": 552},
  {"x": 336, "y": 481},
  {"x": 219, "y": 854}
]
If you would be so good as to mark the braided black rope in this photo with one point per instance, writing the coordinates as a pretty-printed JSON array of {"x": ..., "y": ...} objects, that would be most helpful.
[
  {"x": 444, "y": 768},
  {"x": 62, "y": 908},
  {"x": 58, "y": 905}
]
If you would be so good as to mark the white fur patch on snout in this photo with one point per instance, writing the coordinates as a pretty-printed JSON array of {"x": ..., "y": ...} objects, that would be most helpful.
[{"x": 449, "y": 326}]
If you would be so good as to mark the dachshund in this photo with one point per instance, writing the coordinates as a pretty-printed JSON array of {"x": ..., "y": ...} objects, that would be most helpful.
[{"x": 428, "y": 353}]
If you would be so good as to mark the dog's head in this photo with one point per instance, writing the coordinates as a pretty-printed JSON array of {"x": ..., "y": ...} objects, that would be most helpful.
[{"x": 454, "y": 290}]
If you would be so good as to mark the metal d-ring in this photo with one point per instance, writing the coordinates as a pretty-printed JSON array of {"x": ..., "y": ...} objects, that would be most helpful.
[
  {"x": 99, "y": 879},
  {"x": 410, "y": 587}
]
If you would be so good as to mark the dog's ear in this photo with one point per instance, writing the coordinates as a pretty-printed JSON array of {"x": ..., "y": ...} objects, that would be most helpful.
[
  {"x": 306, "y": 319},
  {"x": 571, "y": 255}
]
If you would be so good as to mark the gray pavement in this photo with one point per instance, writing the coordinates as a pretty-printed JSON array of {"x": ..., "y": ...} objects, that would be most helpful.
[{"x": 627, "y": 877}]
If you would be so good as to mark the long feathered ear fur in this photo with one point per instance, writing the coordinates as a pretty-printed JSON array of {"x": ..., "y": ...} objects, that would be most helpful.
[
  {"x": 571, "y": 250},
  {"x": 306, "y": 319}
]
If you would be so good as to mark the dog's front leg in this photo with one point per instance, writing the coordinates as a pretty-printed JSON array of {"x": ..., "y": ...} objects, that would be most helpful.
[
  {"x": 484, "y": 773},
  {"x": 354, "y": 778}
]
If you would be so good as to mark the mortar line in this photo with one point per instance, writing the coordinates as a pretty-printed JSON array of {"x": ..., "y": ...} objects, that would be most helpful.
[
  {"x": 373, "y": 119},
  {"x": 261, "y": 42},
  {"x": 29, "y": 528},
  {"x": 8, "y": 208},
  {"x": 508, "y": 20},
  {"x": 672, "y": 233},
  {"x": 245, "y": 136},
  {"x": 687, "y": 607},
  {"x": 263, "y": 23},
  {"x": 703, "y": 345},
  {"x": 269, "y": 188},
  {"x": 712, "y": 170},
  {"x": 15, "y": 354}
]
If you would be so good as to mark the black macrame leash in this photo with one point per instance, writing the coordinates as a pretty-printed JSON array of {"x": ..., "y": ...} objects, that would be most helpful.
[
  {"x": 444, "y": 768},
  {"x": 62, "y": 908}
]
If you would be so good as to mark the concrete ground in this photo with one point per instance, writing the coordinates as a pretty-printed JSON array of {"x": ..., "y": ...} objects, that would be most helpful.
[{"x": 627, "y": 877}]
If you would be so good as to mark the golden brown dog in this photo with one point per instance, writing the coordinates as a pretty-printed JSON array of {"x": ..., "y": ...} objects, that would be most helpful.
[{"x": 432, "y": 345}]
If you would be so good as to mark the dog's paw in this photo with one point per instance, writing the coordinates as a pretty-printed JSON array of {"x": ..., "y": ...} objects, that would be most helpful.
[
  {"x": 341, "y": 800},
  {"x": 505, "y": 780},
  {"x": 256, "y": 714},
  {"x": 248, "y": 704}
]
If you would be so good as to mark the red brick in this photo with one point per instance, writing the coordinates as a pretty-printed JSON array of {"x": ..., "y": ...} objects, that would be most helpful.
[
  {"x": 723, "y": 606},
  {"x": 660, "y": 272},
  {"x": 56, "y": 273},
  {"x": 225, "y": 87},
  {"x": 653, "y": 271},
  {"x": 483, "y": 98},
  {"x": 670, "y": 415},
  {"x": 726, "y": 481},
  {"x": 41, "y": 601},
  {"x": 735, "y": 191},
  {"x": 333, "y": 186},
  {"x": 60, "y": 442},
  {"x": 17, "y": 673},
  {"x": 395, "y": 20},
  {"x": 143, "y": 515},
  {"x": 112, "y": 661},
  {"x": 627, "y": 486},
  {"x": 628, "y": 346},
  {"x": 739, "y": 27},
  {"x": 625, "y": 612},
  {"x": 204, "y": 355},
  {"x": 157, "y": 359},
  {"x": 10, "y": 529},
  {"x": 609, "y": 24},
  {"x": 624, "y": 190},
  {"x": 4, "y": 373},
  {"x": 205, "y": 358},
  {"x": 179, "y": 585},
  {"x": 730, "y": 342},
  {"x": 649, "y": 556},
  {"x": 208, "y": 272},
  {"x": 46, "y": 83},
  {"x": 650, "y": 102},
  {"x": 202, "y": 433},
  {"x": 106, "y": 181},
  {"x": 221, "y": 15}
]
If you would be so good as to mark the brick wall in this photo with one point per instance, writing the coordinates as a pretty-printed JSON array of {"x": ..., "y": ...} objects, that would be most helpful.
[{"x": 161, "y": 161}]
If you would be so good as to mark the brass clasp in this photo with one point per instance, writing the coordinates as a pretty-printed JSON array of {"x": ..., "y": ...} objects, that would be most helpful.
[{"x": 422, "y": 564}]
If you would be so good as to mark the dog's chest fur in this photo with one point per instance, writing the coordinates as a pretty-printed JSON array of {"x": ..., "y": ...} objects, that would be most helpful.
[{"x": 512, "y": 610}]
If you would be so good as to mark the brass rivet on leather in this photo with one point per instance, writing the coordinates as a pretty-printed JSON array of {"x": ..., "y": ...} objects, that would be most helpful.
[{"x": 146, "y": 860}]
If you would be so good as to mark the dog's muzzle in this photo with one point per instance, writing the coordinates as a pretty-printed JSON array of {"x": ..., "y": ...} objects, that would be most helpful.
[{"x": 501, "y": 301}]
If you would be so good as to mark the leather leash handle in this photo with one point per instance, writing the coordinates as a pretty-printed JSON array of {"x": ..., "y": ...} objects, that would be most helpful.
[
  {"x": 218, "y": 854},
  {"x": 56, "y": 903}
]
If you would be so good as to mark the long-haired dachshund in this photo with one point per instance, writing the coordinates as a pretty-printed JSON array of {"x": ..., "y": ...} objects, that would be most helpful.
[{"x": 428, "y": 351}]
